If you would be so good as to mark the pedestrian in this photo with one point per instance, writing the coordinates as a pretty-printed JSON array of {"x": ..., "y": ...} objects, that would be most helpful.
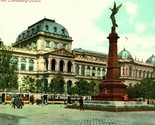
[
  {"x": 32, "y": 99},
  {"x": 81, "y": 104},
  {"x": 13, "y": 101}
]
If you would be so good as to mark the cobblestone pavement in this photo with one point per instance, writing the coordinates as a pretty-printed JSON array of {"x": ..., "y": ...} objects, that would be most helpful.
[{"x": 58, "y": 115}]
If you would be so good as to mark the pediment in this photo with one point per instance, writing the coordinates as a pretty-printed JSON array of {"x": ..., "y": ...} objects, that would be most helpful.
[{"x": 62, "y": 52}]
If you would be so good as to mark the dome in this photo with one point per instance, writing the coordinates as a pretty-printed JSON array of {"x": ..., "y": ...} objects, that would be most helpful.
[
  {"x": 124, "y": 54},
  {"x": 44, "y": 25},
  {"x": 151, "y": 59}
]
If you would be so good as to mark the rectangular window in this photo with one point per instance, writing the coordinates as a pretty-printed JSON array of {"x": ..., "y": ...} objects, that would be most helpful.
[
  {"x": 48, "y": 44},
  {"x": 64, "y": 46},
  {"x": 55, "y": 45}
]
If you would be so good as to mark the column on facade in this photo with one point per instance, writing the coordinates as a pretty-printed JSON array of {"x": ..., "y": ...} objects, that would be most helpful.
[
  {"x": 41, "y": 65},
  {"x": 85, "y": 71},
  {"x": 101, "y": 72},
  {"x": 19, "y": 63},
  {"x": 57, "y": 65},
  {"x": 80, "y": 69},
  {"x": 49, "y": 64},
  {"x": 91, "y": 68},
  {"x": 73, "y": 67},
  {"x": 27, "y": 64},
  {"x": 65, "y": 66},
  {"x": 35, "y": 65},
  {"x": 127, "y": 71},
  {"x": 96, "y": 71}
]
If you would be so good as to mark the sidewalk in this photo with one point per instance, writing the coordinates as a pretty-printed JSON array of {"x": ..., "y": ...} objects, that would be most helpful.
[{"x": 58, "y": 115}]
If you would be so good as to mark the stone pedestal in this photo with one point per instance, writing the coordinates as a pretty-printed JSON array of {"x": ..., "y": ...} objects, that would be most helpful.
[{"x": 111, "y": 89}]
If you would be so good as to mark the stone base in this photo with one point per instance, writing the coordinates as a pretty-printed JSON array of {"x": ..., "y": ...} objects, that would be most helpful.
[
  {"x": 116, "y": 103},
  {"x": 114, "y": 91}
]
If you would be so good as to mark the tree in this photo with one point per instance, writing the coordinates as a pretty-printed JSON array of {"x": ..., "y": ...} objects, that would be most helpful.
[
  {"x": 57, "y": 84},
  {"x": 93, "y": 88},
  {"x": 82, "y": 87},
  {"x": 8, "y": 75},
  {"x": 145, "y": 90}
]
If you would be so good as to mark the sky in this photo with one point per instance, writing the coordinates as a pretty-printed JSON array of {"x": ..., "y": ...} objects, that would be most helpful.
[{"x": 87, "y": 21}]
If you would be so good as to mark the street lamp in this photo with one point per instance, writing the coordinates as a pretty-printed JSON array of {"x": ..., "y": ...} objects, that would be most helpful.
[
  {"x": 42, "y": 93},
  {"x": 19, "y": 85}
]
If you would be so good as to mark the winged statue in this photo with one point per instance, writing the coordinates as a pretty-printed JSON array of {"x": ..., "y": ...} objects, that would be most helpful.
[{"x": 114, "y": 11}]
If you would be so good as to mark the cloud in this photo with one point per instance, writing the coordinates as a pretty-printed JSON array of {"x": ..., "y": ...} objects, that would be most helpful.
[
  {"x": 140, "y": 27},
  {"x": 131, "y": 9}
]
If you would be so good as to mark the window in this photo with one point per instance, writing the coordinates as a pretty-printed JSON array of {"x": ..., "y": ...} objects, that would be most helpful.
[
  {"x": 47, "y": 28},
  {"x": 69, "y": 66},
  {"x": 55, "y": 29},
  {"x": 93, "y": 71},
  {"x": 28, "y": 33},
  {"x": 130, "y": 71},
  {"x": 88, "y": 71},
  {"x": 82, "y": 71},
  {"x": 77, "y": 70},
  {"x": 63, "y": 31},
  {"x": 98, "y": 72},
  {"x": 32, "y": 30},
  {"x": 103, "y": 72},
  {"x": 55, "y": 45},
  {"x": 15, "y": 62},
  {"x": 48, "y": 44},
  {"x": 23, "y": 64},
  {"x": 35, "y": 44},
  {"x": 31, "y": 65},
  {"x": 64, "y": 46},
  {"x": 38, "y": 28}
]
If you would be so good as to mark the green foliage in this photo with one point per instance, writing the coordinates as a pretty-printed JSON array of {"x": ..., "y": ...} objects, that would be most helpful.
[
  {"x": 8, "y": 76},
  {"x": 29, "y": 84},
  {"x": 113, "y": 108},
  {"x": 145, "y": 90},
  {"x": 57, "y": 84}
]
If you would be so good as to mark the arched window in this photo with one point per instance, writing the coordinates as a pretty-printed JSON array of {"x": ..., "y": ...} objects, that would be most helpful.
[
  {"x": 148, "y": 74},
  {"x": 46, "y": 63},
  {"x": 82, "y": 71},
  {"x": 69, "y": 65},
  {"x": 69, "y": 87},
  {"x": 53, "y": 64},
  {"x": 88, "y": 71},
  {"x": 93, "y": 71},
  {"x": 136, "y": 73},
  {"x": 77, "y": 70},
  {"x": 103, "y": 72},
  {"x": 130, "y": 71},
  {"x": 140, "y": 73},
  {"x": 23, "y": 64},
  {"x": 15, "y": 62},
  {"x": 144, "y": 74},
  {"x": 61, "y": 65},
  {"x": 31, "y": 65},
  {"x": 98, "y": 72},
  {"x": 123, "y": 72}
]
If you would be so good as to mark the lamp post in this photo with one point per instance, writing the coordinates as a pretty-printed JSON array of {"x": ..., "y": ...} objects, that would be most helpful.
[
  {"x": 42, "y": 98},
  {"x": 19, "y": 87}
]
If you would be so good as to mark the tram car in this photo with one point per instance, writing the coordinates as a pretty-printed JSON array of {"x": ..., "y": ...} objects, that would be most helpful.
[{"x": 7, "y": 96}]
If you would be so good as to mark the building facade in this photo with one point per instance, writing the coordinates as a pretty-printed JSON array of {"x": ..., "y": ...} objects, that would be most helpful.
[{"x": 45, "y": 49}]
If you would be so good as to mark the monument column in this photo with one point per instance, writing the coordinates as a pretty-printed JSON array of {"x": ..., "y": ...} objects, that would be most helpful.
[
  {"x": 111, "y": 89},
  {"x": 112, "y": 70}
]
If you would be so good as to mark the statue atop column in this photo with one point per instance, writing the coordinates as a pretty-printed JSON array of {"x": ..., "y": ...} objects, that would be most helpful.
[{"x": 114, "y": 12}]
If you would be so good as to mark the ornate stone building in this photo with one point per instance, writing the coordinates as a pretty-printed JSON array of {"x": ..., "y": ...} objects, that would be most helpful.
[
  {"x": 133, "y": 70},
  {"x": 45, "y": 48}
]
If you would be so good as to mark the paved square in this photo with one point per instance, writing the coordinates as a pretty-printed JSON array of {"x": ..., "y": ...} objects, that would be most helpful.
[{"x": 58, "y": 115}]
